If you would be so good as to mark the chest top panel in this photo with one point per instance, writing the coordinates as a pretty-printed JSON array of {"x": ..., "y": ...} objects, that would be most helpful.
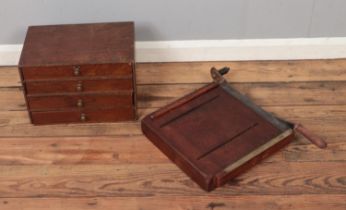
[{"x": 75, "y": 44}]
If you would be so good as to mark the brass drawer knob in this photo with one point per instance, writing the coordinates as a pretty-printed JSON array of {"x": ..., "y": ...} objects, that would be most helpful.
[
  {"x": 76, "y": 70},
  {"x": 80, "y": 103},
  {"x": 79, "y": 87},
  {"x": 83, "y": 117}
]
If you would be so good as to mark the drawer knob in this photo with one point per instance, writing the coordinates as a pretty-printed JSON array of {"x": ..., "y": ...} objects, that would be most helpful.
[
  {"x": 79, "y": 87},
  {"x": 83, "y": 117},
  {"x": 80, "y": 103},
  {"x": 76, "y": 70}
]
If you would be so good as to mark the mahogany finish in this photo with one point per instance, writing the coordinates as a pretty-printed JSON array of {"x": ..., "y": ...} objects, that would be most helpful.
[
  {"x": 60, "y": 45},
  {"x": 70, "y": 116},
  {"x": 78, "y": 86},
  {"x": 66, "y": 70},
  {"x": 56, "y": 102},
  {"x": 214, "y": 135},
  {"x": 116, "y": 71}
]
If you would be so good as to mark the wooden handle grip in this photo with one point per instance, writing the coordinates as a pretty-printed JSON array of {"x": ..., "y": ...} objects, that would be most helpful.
[{"x": 310, "y": 136}]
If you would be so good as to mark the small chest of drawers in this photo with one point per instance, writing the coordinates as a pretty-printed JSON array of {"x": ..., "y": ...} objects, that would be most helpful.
[{"x": 79, "y": 73}]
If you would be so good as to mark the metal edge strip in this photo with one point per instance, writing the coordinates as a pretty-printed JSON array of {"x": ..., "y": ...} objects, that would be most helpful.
[{"x": 258, "y": 151}]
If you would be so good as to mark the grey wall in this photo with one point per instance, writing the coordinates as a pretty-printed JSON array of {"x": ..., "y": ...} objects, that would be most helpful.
[{"x": 183, "y": 19}]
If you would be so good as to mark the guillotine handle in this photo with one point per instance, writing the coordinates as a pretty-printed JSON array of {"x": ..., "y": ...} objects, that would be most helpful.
[
  {"x": 224, "y": 70},
  {"x": 217, "y": 74},
  {"x": 310, "y": 136}
]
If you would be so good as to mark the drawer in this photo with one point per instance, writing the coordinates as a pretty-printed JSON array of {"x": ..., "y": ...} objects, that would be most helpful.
[
  {"x": 118, "y": 70},
  {"x": 57, "y": 102},
  {"x": 83, "y": 116},
  {"x": 75, "y": 86}
]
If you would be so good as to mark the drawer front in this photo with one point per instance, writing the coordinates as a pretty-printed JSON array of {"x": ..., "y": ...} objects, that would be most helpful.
[
  {"x": 75, "y": 86},
  {"x": 107, "y": 115},
  {"x": 97, "y": 70},
  {"x": 79, "y": 101}
]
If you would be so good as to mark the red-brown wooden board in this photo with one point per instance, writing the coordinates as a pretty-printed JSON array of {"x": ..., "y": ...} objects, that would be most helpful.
[{"x": 213, "y": 135}]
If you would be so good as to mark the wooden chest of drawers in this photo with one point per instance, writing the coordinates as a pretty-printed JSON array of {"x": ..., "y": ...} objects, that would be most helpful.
[{"x": 79, "y": 73}]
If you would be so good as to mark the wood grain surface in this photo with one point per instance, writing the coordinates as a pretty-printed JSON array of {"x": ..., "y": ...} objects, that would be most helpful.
[{"x": 113, "y": 166}]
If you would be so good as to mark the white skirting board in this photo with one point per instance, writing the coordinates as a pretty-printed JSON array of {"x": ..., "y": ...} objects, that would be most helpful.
[{"x": 221, "y": 50}]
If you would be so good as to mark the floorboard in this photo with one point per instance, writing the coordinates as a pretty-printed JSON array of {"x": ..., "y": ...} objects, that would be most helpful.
[
  {"x": 207, "y": 202},
  {"x": 113, "y": 166}
]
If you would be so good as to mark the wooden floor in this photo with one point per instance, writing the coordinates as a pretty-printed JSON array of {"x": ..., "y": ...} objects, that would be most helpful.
[{"x": 113, "y": 166}]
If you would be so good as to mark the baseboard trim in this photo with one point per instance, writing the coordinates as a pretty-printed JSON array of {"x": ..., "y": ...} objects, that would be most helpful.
[{"x": 221, "y": 50}]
